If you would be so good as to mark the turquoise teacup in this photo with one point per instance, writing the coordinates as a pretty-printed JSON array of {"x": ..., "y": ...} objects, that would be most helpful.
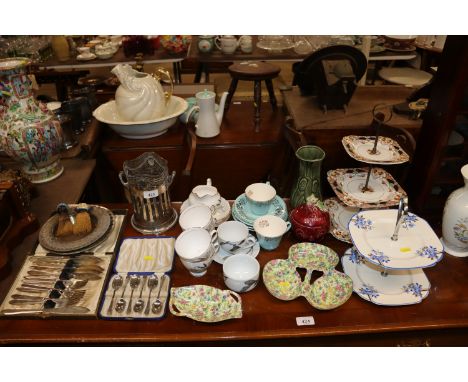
[
  {"x": 270, "y": 230},
  {"x": 259, "y": 197}
]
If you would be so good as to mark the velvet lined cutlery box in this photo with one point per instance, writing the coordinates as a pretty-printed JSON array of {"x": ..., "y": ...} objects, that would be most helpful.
[
  {"x": 58, "y": 284},
  {"x": 139, "y": 287}
]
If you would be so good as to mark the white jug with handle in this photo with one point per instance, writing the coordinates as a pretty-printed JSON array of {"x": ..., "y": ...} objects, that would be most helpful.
[
  {"x": 140, "y": 96},
  {"x": 226, "y": 44},
  {"x": 209, "y": 120}
]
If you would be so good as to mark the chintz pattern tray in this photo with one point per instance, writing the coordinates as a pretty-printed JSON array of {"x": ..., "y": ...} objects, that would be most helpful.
[
  {"x": 388, "y": 151},
  {"x": 348, "y": 183}
]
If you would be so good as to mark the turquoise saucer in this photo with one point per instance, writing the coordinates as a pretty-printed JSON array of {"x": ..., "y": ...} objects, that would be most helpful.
[{"x": 241, "y": 211}]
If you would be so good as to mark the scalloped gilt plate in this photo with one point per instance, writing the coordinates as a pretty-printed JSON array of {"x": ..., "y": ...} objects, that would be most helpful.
[{"x": 205, "y": 304}]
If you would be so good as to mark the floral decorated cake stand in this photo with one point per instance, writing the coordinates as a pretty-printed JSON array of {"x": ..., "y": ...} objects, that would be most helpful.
[
  {"x": 417, "y": 245},
  {"x": 390, "y": 288}
]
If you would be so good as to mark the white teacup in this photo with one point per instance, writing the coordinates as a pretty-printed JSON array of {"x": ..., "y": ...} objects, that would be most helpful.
[
  {"x": 233, "y": 237},
  {"x": 270, "y": 230},
  {"x": 259, "y": 197},
  {"x": 197, "y": 216},
  {"x": 196, "y": 248},
  {"x": 241, "y": 273}
]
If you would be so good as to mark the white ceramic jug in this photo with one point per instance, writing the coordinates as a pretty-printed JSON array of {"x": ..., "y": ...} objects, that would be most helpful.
[
  {"x": 140, "y": 96},
  {"x": 209, "y": 120},
  {"x": 205, "y": 194},
  {"x": 455, "y": 220},
  {"x": 226, "y": 44}
]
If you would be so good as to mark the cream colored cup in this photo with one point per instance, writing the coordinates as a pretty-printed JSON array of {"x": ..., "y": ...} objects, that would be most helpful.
[
  {"x": 196, "y": 248},
  {"x": 197, "y": 216}
]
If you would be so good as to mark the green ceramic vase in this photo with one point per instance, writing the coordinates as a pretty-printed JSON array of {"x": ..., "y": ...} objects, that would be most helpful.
[{"x": 308, "y": 180}]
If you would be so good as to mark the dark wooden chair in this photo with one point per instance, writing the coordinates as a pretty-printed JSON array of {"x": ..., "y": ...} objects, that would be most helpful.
[{"x": 256, "y": 71}]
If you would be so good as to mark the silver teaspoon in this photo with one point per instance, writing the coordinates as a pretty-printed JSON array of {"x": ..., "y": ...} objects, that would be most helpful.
[
  {"x": 117, "y": 283},
  {"x": 134, "y": 283},
  {"x": 152, "y": 283},
  {"x": 140, "y": 304},
  {"x": 121, "y": 303},
  {"x": 157, "y": 305}
]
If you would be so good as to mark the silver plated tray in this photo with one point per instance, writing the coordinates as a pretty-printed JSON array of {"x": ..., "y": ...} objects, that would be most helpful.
[
  {"x": 348, "y": 183},
  {"x": 102, "y": 220}
]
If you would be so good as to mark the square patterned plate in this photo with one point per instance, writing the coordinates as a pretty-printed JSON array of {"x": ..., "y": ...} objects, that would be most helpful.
[
  {"x": 417, "y": 245},
  {"x": 347, "y": 183},
  {"x": 388, "y": 150}
]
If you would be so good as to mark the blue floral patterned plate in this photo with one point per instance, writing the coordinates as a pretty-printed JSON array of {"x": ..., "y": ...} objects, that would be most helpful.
[
  {"x": 241, "y": 211},
  {"x": 417, "y": 245},
  {"x": 395, "y": 288}
]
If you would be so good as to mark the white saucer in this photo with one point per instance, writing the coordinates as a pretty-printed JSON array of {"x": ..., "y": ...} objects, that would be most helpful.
[
  {"x": 86, "y": 57},
  {"x": 452, "y": 251},
  {"x": 222, "y": 213},
  {"x": 222, "y": 255}
]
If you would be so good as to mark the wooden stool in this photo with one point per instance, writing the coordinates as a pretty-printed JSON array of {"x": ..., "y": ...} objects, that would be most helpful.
[{"x": 257, "y": 72}]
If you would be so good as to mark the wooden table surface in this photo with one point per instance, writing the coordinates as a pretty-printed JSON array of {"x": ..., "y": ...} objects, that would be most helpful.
[
  {"x": 442, "y": 318},
  {"x": 308, "y": 115}
]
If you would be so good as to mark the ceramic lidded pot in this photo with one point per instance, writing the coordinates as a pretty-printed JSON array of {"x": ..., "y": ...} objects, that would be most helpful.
[
  {"x": 206, "y": 43},
  {"x": 311, "y": 220},
  {"x": 29, "y": 132},
  {"x": 455, "y": 220}
]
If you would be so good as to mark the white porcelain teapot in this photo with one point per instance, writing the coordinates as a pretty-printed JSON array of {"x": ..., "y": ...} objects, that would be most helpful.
[
  {"x": 209, "y": 119},
  {"x": 140, "y": 96}
]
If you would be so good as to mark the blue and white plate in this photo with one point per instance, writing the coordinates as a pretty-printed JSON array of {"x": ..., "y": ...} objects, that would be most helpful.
[
  {"x": 393, "y": 288},
  {"x": 417, "y": 246},
  {"x": 241, "y": 211}
]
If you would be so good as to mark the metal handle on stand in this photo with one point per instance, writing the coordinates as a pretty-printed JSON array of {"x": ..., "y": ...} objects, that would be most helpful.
[{"x": 402, "y": 213}]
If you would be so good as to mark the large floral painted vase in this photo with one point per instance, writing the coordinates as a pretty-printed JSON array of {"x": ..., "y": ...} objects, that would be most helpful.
[
  {"x": 29, "y": 133},
  {"x": 455, "y": 220}
]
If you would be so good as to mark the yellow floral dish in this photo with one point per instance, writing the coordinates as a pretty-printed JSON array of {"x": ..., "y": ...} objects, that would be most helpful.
[{"x": 205, "y": 304}]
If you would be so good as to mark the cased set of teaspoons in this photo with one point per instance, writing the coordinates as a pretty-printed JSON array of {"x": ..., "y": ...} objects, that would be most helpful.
[{"x": 139, "y": 289}]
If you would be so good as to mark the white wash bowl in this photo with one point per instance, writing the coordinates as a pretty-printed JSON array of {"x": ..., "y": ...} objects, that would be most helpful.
[{"x": 107, "y": 113}]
